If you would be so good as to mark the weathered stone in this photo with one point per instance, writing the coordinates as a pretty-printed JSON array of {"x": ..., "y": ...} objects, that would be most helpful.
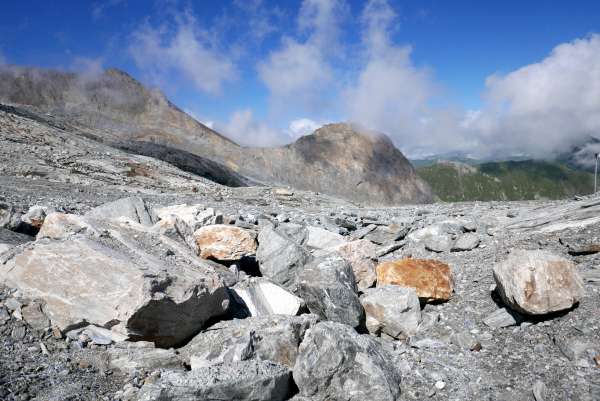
[
  {"x": 362, "y": 256},
  {"x": 62, "y": 226},
  {"x": 466, "y": 242},
  {"x": 11, "y": 238},
  {"x": 174, "y": 228},
  {"x": 538, "y": 282},
  {"x": 579, "y": 351},
  {"x": 539, "y": 391},
  {"x": 195, "y": 216},
  {"x": 279, "y": 257},
  {"x": 274, "y": 338},
  {"x": 431, "y": 279},
  {"x": 9, "y": 218},
  {"x": 336, "y": 363},
  {"x": 262, "y": 297},
  {"x": 237, "y": 381},
  {"x": 32, "y": 313},
  {"x": 438, "y": 243},
  {"x": 119, "y": 280},
  {"x": 361, "y": 232},
  {"x": 35, "y": 216},
  {"x": 225, "y": 243},
  {"x": 502, "y": 318},
  {"x": 464, "y": 340},
  {"x": 328, "y": 287},
  {"x": 296, "y": 232},
  {"x": 389, "y": 248},
  {"x": 133, "y": 208},
  {"x": 130, "y": 356},
  {"x": 319, "y": 238},
  {"x": 392, "y": 310},
  {"x": 102, "y": 336},
  {"x": 581, "y": 245}
]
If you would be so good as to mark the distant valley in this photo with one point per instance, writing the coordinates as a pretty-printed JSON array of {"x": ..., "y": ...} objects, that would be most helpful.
[{"x": 456, "y": 181}]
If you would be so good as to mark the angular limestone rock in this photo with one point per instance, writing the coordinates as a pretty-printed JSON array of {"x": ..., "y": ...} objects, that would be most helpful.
[
  {"x": 238, "y": 381},
  {"x": 279, "y": 257},
  {"x": 61, "y": 226},
  {"x": 262, "y": 297},
  {"x": 466, "y": 242},
  {"x": 274, "y": 338},
  {"x": 392, "y": 310},
  {"x": 225, "y": 243},
  {"x": 120, "y": 280},
  {"x": 336, "y": 363},
  {"x": 195, "y": 216},
  {"x": 362, "y": 256},
  {"x": 133, "y": 208},
  {"x": 431, "y": 279},
  {"x": 129, "y": 356},
  {"x": 328, "y": 287},
  {"x": 319, "y": 238},
  {"x": 538, "y": 282}
]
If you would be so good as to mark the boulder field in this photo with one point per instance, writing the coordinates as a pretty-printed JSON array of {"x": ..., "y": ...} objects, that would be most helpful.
[{"x": 191, "y": 302}]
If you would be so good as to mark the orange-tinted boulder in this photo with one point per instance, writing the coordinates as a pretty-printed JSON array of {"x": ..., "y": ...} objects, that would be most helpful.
[
  {"x": 431, "y": 279},
  {"x": 226, "y": 243}
]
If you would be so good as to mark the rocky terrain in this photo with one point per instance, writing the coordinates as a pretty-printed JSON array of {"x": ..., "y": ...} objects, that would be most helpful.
[
  {"x": 124, "y": 276},
  {"x": 338, "y": 159}
]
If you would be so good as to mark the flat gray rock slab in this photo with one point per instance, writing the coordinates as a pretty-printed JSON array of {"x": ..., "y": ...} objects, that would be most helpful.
[{"x": 237, "y": 381}]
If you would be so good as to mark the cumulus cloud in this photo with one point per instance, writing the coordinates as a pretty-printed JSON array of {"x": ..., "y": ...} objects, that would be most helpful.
[
  {"x": 391, "y": 94},
  {"x": 297, "y": 72},
  {"x": 244, "y": 129},
  {"x": 182, "y": 48},
  {"x": 301, "y": 127},
  {"x": 546, "y": 107}
]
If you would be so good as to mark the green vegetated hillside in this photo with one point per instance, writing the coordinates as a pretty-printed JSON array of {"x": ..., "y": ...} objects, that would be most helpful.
[{"x": 507, "y": 180}]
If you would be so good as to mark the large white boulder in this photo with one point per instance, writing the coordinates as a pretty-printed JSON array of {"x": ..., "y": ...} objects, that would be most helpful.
[
  {"x": 117, "y": 274},
  {"x": 392, "y": 311},
  {"x": 538, "y": 282}
]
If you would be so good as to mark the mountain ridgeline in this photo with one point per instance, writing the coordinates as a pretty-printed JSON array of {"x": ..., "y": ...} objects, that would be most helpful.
[
  {"x": 508, "y": 180},
  {"x": 341, "y": 160}
]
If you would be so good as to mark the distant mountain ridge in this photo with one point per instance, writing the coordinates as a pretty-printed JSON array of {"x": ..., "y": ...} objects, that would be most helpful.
[
  {"x": 454, "y": 181},
  {"x": 339, "y": 159}
]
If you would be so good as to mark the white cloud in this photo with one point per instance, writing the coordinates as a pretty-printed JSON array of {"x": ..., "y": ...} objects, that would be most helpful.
[
  {"x": 182, "y": 48},
  {"x": 245, "y": 130},
  {"x": 392, "y": 95},
  {"x": 301, "y": 127},
  {"x": 322, "y": 20},
  {"x": 297, "y": 73},
  {"x": 546, "y": 107},
  {"x": 295, "y": 70}
]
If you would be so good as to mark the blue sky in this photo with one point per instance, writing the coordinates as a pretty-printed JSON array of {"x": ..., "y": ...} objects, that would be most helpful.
[{"x": 265, "y": 72}]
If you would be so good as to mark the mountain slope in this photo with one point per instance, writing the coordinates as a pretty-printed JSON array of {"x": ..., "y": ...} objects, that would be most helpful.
[
  {"x": 510, "y": 180},
  {"x": 346, "y": 161},
  {"x": 338, "y": 160}
]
